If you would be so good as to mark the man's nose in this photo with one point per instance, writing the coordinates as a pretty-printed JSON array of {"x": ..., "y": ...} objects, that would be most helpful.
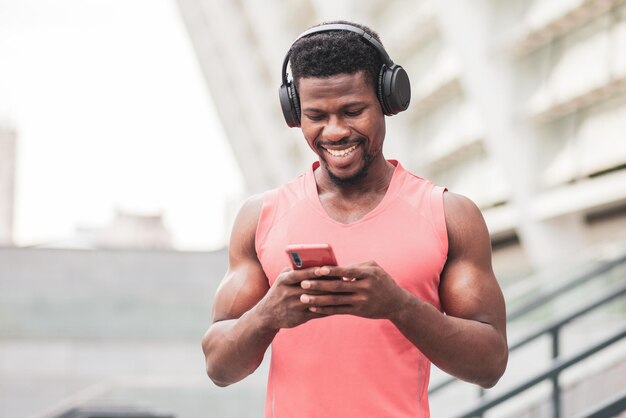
[{"x": 336, "y": 129}]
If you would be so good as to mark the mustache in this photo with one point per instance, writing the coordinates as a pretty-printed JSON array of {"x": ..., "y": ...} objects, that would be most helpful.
[{"x": 346, "y": 141}]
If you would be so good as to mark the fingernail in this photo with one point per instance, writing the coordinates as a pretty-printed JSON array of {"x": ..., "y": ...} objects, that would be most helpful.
[
  {"x": 323, "y": 271},
  {"x": 305, "y": 298},
  {"x": 313, "y": 309},
  {"x": 305, "y": 284}
]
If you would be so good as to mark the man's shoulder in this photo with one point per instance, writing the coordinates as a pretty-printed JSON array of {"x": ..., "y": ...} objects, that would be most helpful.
[
  {"x": 291, "y": 190},
  {"x": 254, "y": 203},
  {"x": 415, "y": 189},
  {"x": 464, "y": 220},
  {"x": 250, "y": 210},
  {"x": 409, "y": 173},
  {"x": 458, "y": 205}
]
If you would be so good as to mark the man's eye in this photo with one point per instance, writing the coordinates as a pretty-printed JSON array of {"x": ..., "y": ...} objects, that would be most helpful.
[
  {"x": 315, "y": 117},
  {"x": 353, "y": 113}
]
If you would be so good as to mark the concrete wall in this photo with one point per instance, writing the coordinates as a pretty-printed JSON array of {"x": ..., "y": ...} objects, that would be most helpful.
[{"x": 120, "y": 327}]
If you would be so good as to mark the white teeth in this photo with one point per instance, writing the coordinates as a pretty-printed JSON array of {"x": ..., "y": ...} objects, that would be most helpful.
[{"x": 341, "y": 153}]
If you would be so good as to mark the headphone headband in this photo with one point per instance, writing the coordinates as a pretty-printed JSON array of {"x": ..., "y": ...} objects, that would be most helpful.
[
  {"x": 340, "y": 26},
  {"x": 394, "y": 89}
]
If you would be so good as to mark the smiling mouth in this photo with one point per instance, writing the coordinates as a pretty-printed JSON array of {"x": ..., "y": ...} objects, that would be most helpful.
[{"x": 342, "y": 152}]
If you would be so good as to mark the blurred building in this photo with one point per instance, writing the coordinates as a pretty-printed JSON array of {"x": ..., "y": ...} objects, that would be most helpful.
[
  {"x": 131, "y": 231},
  {"x": 128, "y": 230},
  {"x": 7, "y": 184},
  {"x": 518, "y": 105}
]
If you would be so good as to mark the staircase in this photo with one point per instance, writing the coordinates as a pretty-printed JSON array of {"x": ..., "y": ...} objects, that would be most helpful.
[{"x": 567, "y": 347}]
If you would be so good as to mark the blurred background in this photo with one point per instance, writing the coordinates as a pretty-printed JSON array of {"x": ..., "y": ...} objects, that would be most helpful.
[{"x": 130, "y": 133}]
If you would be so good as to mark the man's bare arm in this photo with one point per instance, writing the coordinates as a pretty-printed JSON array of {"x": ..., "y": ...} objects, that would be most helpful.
[
  {"x": 247, "y": 313},
  {"x": 236, "y": 341},
  {"x": 468, "y": 342}
]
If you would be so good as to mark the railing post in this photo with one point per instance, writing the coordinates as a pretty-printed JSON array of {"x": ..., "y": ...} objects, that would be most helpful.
[
  {"x": 556, "y": 388},
  {"x": 556, "y": 396},
  {"x": 481, "y": 394}
]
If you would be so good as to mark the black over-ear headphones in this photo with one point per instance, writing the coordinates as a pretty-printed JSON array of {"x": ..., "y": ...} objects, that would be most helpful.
[{"x": 393, "y": 89}]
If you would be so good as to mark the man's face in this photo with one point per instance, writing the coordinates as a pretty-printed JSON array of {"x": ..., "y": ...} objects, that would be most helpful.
[{"x": 343, "y": 123}]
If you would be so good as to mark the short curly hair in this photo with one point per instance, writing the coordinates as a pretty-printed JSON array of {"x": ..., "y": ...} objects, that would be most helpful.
[{"x": 325, "y": 54}]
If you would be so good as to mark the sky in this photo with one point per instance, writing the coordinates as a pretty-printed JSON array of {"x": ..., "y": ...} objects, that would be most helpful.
[{"x": 112, "y": 113}]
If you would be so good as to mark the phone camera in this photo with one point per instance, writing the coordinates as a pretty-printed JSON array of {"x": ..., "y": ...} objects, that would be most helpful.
[{"x": 297, "y": 261}]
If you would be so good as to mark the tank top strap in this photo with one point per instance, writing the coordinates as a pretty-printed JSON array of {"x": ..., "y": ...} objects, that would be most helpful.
[
  {"x": 439, "y": 216},
  {"x": 266, "y": 217}
]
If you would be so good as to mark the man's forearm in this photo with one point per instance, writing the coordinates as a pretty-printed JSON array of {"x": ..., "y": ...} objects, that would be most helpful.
[
  {"x": 470, "y": 350},
  {"x": 234, "y": 348}
]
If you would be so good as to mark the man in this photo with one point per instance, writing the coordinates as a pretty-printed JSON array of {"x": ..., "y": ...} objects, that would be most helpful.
[{"x": 415, "y": 260}]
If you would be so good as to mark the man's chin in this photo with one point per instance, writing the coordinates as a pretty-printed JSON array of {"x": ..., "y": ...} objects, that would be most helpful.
[{"x": 348, "y": 180}]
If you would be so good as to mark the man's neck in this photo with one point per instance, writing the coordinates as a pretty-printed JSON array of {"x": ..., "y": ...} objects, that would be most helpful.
[
  {"x": 347, "y": 204},
  {"x": 375, "y": 181}
]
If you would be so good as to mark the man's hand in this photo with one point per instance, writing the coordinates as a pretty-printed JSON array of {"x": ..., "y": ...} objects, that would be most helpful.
[
  {"x": 281, "y": 307},
  {"x": 366, "y": 290}
]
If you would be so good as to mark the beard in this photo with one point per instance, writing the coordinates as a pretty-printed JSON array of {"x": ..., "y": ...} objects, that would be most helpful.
[{"x": 355, "y": 178}]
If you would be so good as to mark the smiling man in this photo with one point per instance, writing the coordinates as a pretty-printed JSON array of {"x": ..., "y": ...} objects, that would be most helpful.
[{"x": 415, "y": 260}]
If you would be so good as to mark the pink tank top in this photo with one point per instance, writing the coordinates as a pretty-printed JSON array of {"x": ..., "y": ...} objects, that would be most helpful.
[{"x": 343, "y": 365}]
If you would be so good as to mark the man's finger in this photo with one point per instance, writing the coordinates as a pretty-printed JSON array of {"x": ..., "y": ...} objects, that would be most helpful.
[
  {"x": 332, "y": 310},
  {"x": 347, "y": 272},
  {"x": 329, "y": 285},
  {"x": 290, "y": 276},
  {"x": 335, "y": 299}
]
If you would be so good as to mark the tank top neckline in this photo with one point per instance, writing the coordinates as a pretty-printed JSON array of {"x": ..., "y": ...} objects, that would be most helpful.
[{"x": 313, "y": 198}]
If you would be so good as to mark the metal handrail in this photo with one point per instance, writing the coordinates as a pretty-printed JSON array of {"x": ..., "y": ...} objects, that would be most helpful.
[
  {"x": 558, "y": 365},
  {"x": 554, "y": 326},
  {"x": 572, "y": 284}
]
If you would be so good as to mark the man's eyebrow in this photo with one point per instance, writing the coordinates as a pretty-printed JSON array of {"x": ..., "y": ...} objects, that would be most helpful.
[
  {"x": 345, "y": 106},
  {"x": 312, "y": 109}
]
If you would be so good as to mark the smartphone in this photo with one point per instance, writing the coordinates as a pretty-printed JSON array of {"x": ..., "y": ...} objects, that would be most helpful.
[{"x": 303, "y": 256}]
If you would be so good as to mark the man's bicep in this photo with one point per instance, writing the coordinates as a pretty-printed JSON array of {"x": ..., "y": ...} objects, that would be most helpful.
[
  {"x": 470, "y": 293},
  {"x": 242, "y": 288},
  {"x": 244, "y": 283},
  {"x": 469, "y": 288}
]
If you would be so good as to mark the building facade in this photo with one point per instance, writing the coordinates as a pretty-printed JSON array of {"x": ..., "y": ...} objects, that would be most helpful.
[{"x": 516, "y": 104}]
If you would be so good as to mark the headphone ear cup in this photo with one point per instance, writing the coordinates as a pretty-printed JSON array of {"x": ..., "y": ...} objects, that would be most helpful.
[
  {"x": 295, "y": 99},
  {"x": 379, "y": 89},
  {"x": 290, "y": 104},
  {"x": 396, "y": 89}
]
